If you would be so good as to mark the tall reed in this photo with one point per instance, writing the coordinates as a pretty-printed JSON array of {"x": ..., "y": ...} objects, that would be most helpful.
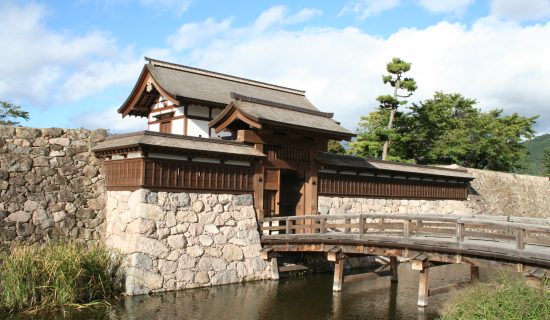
[
  {"x": 57, "y": 274},
  {"x": 507, "y": 296}
]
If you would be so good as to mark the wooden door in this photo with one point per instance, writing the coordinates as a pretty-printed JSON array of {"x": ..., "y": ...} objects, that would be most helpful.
[
  {"x": 166, "y": 127},
  {"x": 272, "y": 178}
]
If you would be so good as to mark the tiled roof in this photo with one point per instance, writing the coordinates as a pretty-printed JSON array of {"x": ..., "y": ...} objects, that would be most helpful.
[
  {"x": 188, "y": 82},
  {"x": 172, "y": 141},
  {"x": 390, "y": 166},
  {"x": 277, "y": 115}
]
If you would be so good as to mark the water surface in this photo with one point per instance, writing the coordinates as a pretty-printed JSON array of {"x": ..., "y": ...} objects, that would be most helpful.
[{"x": 308, "y": 297}]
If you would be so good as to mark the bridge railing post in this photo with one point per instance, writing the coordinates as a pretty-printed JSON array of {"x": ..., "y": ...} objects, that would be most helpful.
[
  {"x": 361, "y": 226},
  {"x": 288, "y": 226},
  {"x": 520, "y": 238},
  {"x": 323, "y": 228},
  {"x": 347, "y": 221},
  {"x": 407, "y": 228},
  {"x": 459, "y": 232}
]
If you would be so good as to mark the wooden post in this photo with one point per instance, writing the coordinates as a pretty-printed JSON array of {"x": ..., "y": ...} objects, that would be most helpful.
[
  {"x": 406, "y": 228},
  {"x": 423, "y": 288},
  {"x": 338, "y": 274},
  {"x": 459, "y": 232},
  {"x": 288, "y": 230},
  {"x": 323, "y": 225},
  {"x": 274, "y": 269},
  {"x": 520, "y": 238},
  {"x": 361, "y": 226},
  {"x": 474, "y": 273},
  {"x": 393, "y": 268}
]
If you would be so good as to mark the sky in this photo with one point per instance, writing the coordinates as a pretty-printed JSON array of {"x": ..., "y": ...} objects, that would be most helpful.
[{"x": 71, "y": 64}]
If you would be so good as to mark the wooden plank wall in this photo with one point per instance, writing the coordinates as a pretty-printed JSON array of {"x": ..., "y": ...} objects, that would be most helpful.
[
  {"x": 123, "y": 173},
  {"x": 131, "y": 174},
  {"x": 353, "y": 185}
]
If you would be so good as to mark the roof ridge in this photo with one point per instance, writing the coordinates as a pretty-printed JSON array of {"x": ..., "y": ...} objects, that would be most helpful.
[
  {"x": 175, "y": 136},
  {"x": 279, "y": 105},
  {"x": 397, "y": 163},
  {"x": 224, "y": 76}
]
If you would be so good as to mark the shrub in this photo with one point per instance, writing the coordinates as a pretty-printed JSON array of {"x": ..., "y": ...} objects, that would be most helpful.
[
  {"x": 57, "y": 274},
  {"x": 507, "y": 296}
]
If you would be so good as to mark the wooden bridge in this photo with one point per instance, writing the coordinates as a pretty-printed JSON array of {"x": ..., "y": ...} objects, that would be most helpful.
[{"x": 426, "y": 240}]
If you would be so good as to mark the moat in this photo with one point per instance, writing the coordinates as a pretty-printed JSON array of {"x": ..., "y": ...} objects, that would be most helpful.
[{"x": 302, "y": 297}]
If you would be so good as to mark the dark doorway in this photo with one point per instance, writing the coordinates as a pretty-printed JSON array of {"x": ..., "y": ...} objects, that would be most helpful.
[{"x": 291, "y": 197}]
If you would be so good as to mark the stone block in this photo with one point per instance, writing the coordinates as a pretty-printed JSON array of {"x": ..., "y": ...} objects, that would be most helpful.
[
  {"x": 205, "y": 240},
  {"x": 232, "y": 253},
  {"x": 142, "y": 282},
  {"x": 138, "y": 197},
  {"x": 41, "y": 218},
  {"x": 64, "y": 142},
  {"x": 202, "y": 277},
  {"x": 177, "y": 241},
  {"x": 195, "y": 251},
  {"x": 224, "y": 277},
  {"x": 19, "y": 216},
  {"x": 198, "y": 206},
  {"x": 211, "y": 228},
  {"x": 141, "y": 226},
  {"x": 186, "y": 261}
]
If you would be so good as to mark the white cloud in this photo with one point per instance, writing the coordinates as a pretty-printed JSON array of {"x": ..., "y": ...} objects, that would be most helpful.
[
  {"x": 303, "y": 15},
  {"x": 445, "y": 6},
  {"x": 521, "y": 10},
  {"x": 366, "y": 8},
  {"x": 500, "y": 64},
  {"x": 42, "y": 66},
  {"x": 109, "y": 119},
  {"x": 180, "y": 6}
]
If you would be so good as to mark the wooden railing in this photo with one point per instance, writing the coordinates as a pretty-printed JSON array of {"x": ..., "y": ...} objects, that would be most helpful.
[{"x": 507, "y": 235}]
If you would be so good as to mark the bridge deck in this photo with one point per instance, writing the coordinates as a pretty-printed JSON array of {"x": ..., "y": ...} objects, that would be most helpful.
[{"x": 496, "y": 239}]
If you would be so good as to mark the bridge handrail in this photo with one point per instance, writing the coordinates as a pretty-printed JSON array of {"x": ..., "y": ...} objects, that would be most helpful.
[{"x": 481, "y": 227}]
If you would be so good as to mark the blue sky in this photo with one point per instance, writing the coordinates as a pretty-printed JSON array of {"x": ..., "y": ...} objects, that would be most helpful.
[{"x": 72, "y": 63}]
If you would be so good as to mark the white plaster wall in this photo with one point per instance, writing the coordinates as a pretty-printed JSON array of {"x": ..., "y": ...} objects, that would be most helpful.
[
  {"x": 197, "y": 128},
  {"x": 196, "y": 110},
  {"x": 177, "y": 126},
  {"x": 154, "y": 127}
]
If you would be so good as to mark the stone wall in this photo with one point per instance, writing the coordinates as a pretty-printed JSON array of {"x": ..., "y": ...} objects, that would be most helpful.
[
  {"x": 491, "y": 193},
  {"x": 175, "y": 241},
  {"x": 51, "y": 185}
]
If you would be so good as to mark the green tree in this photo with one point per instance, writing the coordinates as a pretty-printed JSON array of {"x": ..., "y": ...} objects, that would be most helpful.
[
  {"x": 336, "y": 147},
  {"x": 372, "y": 133},
  {"x": 402, "y": 88},
  {"x": 547, "y": 162},
  {"x": 449, "y": 129},
  {"x": 9, "y": 112}
]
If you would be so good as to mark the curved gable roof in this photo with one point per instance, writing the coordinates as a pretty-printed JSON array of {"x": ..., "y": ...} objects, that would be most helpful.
[{"x": 182, "y": 82}]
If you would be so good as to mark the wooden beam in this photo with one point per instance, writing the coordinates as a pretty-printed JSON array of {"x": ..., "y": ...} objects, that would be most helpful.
[
  {"x": 393, "y": 268},
  {"x": 338, "y": 275},
  {"x": 274, "y": 269},
  {"x": 334, "y": 254},
  {"x": 423, "y": 288},
  {"x": 367, "y": 276}
]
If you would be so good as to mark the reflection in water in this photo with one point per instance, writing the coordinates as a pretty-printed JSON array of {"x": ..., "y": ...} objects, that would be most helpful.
[{"x": 299, "y": 298}]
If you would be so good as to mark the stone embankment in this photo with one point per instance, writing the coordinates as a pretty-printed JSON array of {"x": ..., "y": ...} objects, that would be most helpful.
[
  {"x": 51, "y": 185},
  {"x": 176, "y": 241},
  {"x": 491, "y": 193}
]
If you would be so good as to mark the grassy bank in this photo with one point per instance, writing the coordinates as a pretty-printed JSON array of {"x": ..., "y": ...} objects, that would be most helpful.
[
  {"x": 56, "y": 275},
  {"x": 507, "y": 296}
]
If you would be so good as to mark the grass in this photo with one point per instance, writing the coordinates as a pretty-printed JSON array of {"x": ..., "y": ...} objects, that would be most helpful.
[
  {"x": 507, "y": 296},
  {"x": 54, "y": 275}
]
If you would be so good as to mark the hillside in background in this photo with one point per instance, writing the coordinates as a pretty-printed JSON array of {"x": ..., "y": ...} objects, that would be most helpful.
[{"x": 534, "y": 161}]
